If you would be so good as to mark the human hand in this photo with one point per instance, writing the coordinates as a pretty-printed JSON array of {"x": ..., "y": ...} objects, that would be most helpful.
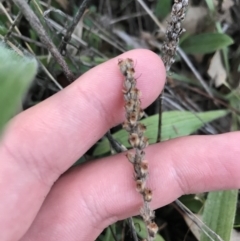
[{"x": 40, "y": 144}]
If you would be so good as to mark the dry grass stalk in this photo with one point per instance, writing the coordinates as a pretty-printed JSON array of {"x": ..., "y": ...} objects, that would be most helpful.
[
  {"x": 37, "y": 26},
  {"x": 138, "y": 141},
  {"x": 169, "y": 49},
  {"x": 173, "y": 32}
]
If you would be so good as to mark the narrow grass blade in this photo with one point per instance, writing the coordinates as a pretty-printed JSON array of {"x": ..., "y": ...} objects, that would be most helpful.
[
  {"x": 219, "y": 213},
  {"x": 205, "y": 230},
  {"x": 174, "y": 124}
]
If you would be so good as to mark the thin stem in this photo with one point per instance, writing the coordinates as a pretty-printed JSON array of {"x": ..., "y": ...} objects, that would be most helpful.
[
  {"x": 150, "y": 13},
  {"x": 194, "y": 70},
  {"x": 117, "y": 146},
  {"x": 16, "y": 21},
  {"x": 37, "y": 26},
  {"x": 133, "y": 229},
  {"x": 76, "y": 19},
  {"x": 160, "y": 110}
]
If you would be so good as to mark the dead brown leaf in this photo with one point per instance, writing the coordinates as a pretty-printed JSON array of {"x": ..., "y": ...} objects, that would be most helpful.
[
  {"x": 216, "y": 70},
  {"x": 195, "y": 19}
]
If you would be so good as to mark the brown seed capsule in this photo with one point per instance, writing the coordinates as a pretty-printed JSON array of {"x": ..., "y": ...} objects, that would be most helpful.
[
  {"x": 152, "y": 229},
  {"x": 140, "y": 185},
  {"x": 133, "y": 118},
  {"x": 130, "y": 74},
  {"x": 126, "y": 125},
  {"x": 125, "y": 65},
  {"x": 143, "y": 142},
  {"x": 147, "y": 195},
  {"x": 129, "y": 63},
  {"x": 140, "y": 129},
  {"x": 129, "y": 106},
  {"x": 135, "y": 94},
  {"x": 140, "y": 113},
  {"x": 144, "y": 167},
  {"x": 131, "y": 157},
  {"x": 134, "y": 140}
]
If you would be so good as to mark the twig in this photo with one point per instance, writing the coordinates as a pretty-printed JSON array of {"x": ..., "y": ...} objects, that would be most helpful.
[
  {"x": 138, "y": 141},
  {"x": 26, "y": 39},
  {"x": 37, "y": 26},
  {"x": 194, "y": 70},
  {"x": 105, "y": 38},
  {"x": 79, "y": 41},
  {"x": 132, "y": 226},
  {"x": 118, "y": 147},
  {"x": 70, "y": 29},
  {"x": 59, "y": 29},
  {"x": 16, "y": 21},
  {"x": 126, "y": 17}
]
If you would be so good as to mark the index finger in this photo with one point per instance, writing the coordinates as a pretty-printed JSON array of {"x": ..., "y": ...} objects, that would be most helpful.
[{"x": 44, "y": 141}]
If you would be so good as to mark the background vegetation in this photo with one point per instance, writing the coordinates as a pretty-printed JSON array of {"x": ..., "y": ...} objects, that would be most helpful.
[{"x": 201, "y": 96}]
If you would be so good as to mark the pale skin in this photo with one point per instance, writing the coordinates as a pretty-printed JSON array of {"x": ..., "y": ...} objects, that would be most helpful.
[{"x": 40, "y": 144}]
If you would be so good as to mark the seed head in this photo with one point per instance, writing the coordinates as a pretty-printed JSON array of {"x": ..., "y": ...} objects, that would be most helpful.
[
  {"x": 137, "y": 140},
  {"x": 147, "y": 194}
]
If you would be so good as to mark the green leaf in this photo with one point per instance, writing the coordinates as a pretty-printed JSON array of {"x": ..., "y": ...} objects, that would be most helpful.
[
  {"x": 141, "y": 230},
  {"x": 210, "y": 5},
  {"x": 206, "y": 43},
  {"x": 16, "y": 73},
  {"x": 234, "y": 100},
  {"x": 163, "y": 8},
  {"x": 108, "y": 235},
  {"x": 192, "y": 202},
  {"x": 3, "y": 30},
  {"x": 182, "y": 78},
  {"x": 174, "y": 124},
  {"x": 219, "y": 213}
]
